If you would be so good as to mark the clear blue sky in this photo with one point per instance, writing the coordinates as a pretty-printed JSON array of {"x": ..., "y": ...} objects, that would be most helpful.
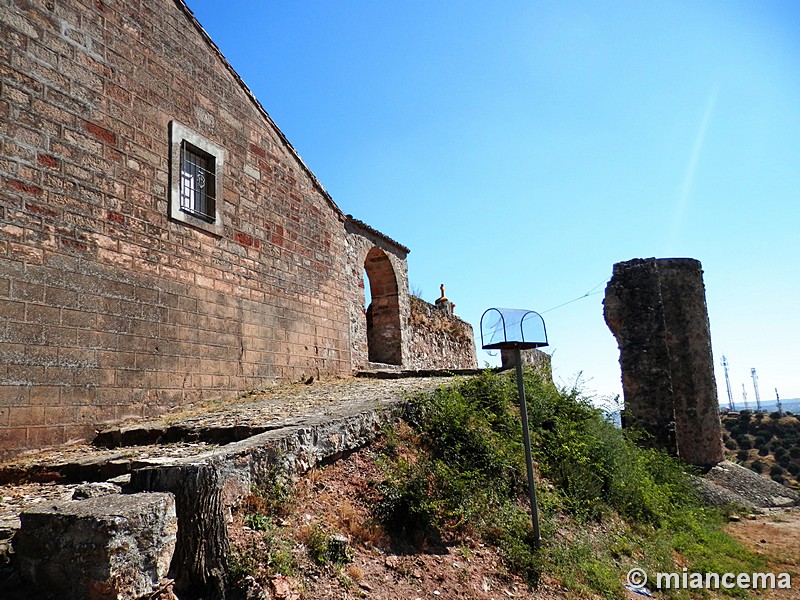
[{"x": 520, "y": 149}]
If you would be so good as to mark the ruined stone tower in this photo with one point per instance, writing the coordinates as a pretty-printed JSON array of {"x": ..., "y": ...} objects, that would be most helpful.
[{"x": 656, "y": 309}]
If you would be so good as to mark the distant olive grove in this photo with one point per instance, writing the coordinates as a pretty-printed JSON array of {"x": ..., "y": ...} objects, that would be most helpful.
[{"x": 765, "y": 442}]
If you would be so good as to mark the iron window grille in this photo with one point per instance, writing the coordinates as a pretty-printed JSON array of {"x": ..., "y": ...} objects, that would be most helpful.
[
  {"x": 196, "y": 167},
  {"x": 198, "y": 183}
]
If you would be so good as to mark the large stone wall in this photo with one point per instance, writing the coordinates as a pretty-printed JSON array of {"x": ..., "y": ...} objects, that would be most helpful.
[
  {"x": 439, "y": 339},
  {"x": 109, "y": 308},
  {"x": 656, "y": 309}
]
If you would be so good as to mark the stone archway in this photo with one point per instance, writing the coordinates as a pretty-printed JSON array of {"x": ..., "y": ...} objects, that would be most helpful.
[{"x": 383, "y": 313}]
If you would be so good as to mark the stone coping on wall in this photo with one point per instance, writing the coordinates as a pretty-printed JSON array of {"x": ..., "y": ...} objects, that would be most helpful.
[
  {"x": 317, "y": 423},
  {"x": 357, "y": 225},
  {"x": 426, "y": 373},
  {"x": 290, "y": 416}
]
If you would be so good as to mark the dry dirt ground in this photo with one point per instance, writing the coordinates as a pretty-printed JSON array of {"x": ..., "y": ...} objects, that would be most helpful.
[
  {"x": 776, "y": 537},
  {"x": 337, "y": 499}
]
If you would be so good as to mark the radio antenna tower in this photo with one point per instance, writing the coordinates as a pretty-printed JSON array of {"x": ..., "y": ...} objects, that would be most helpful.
[
  {"x": 778, "y": 400},
  {"x": 728, "y": 383},
  {"x": 744, "y": 397},
  {"x": 755, "y": 387}
]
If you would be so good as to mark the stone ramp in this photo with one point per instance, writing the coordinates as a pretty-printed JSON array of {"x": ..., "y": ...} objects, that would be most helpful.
[
  {"x": 196, "y": 429},
  {"x": 296, "y": 428}
]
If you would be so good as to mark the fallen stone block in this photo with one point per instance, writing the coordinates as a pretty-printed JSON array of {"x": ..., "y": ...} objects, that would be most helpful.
[
  {"x": 759, "y": 491},
  {"x": 95, "y": 490},
  {"x": 116, "y": 546}
]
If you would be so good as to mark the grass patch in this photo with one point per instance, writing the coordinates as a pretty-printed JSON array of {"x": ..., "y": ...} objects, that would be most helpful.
[
  {"x": 269, "y": 553},
  {"x": 326, "y": 548},
  {"x": 457, "y": 469},
  {"x": 264, "y": 557}
]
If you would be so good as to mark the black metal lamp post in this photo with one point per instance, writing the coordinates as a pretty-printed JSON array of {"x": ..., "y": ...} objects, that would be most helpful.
[{"x": 517, "y": 329}]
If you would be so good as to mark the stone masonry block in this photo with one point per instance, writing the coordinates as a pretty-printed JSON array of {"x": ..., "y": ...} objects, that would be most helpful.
[{"x": 109, "y": 547}]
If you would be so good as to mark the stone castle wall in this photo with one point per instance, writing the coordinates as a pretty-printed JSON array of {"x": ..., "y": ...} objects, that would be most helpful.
[
  {"x": 109, "y": 308},
  {"x": 439, "y": 340},
  {"x": 656, "y": 309}
]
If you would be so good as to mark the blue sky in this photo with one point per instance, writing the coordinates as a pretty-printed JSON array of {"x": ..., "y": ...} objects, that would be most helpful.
[{"x": 520, "y": 149}]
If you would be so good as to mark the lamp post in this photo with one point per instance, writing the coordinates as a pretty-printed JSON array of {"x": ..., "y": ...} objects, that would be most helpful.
[
  {"x": 526, "y": 438},
  {"x": 517, "y": 330}
]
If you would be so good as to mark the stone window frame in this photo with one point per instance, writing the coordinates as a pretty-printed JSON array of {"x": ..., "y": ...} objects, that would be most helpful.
[{"x": 180, "y": 136}]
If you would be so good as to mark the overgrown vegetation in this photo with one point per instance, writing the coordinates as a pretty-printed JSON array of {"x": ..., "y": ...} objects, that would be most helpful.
[
  {"x": 456, "y": 470},
  {"x": 271, "y": 550},
  {"x": 269, "y": 553},
  {"x": 765, "y": 442},
  {"x": 453, "y": 473}
]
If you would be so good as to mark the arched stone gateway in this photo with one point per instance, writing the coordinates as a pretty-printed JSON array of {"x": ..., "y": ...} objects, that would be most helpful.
[
  {"x": 390, "y": 329},
  {"x": 379, "y": 302},
  {"x": 384, "y": 339}
]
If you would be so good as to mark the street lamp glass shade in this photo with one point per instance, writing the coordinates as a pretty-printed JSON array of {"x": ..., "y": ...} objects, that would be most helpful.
[{"x": 512, "y": 328}]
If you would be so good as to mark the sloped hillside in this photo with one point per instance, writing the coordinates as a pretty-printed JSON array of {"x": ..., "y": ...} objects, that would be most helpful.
[{"x": 438, "y": 508}]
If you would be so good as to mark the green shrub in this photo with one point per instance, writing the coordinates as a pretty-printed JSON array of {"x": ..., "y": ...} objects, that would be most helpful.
[
  {"x": 470, "y": 478},
  {"x": 325, "y": 548},
  {"x": 257, "y": 522}
]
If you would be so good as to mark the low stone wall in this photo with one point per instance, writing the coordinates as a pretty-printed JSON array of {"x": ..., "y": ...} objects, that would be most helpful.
[
  {"x": 536, "y": 359},
  {"x": 207, "y": 483},
  {"x": 439, "y": 340}
]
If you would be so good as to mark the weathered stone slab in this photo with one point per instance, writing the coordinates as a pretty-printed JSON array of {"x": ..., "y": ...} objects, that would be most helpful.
[
  {"x": 208, "y": 485},
  {"x": 759, "y": 491},
  {"x": 116, "y": 546}
]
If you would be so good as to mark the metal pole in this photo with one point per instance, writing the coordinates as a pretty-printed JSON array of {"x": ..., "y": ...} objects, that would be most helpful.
[{"x": 526, "y": 437}]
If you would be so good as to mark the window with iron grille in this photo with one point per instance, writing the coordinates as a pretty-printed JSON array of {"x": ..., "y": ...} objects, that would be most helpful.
[
  {"x": 198, "y": 187},
  {"x": 196, "y": 167}
]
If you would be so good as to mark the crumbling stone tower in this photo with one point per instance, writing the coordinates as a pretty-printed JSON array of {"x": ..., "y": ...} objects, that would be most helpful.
[{"x": 656, "y": 309}]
